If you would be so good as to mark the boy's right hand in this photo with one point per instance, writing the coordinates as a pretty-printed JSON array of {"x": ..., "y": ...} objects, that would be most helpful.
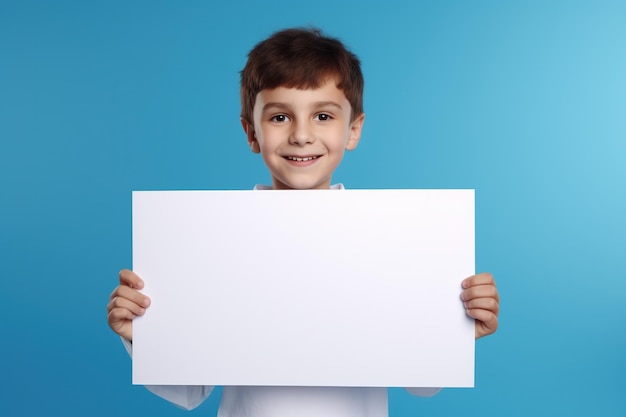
[{"x": 126, "y": 303}]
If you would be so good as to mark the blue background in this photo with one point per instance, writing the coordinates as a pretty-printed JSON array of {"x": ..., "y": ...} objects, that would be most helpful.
[{"x": 523, "y": 101}]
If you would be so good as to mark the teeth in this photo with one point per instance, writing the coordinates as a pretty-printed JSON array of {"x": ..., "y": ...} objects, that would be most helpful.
[{"x": 309, "y": 158}]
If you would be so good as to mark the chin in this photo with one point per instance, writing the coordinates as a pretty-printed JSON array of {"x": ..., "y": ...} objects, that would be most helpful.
[{"x": 303, "y": 185}]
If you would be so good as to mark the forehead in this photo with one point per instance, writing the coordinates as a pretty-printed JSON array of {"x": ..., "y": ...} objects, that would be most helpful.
[{"x": 327, "y": 92}]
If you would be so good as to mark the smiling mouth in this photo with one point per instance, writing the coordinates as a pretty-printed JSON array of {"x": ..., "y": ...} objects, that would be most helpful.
[{"x": 303, "y": 159}]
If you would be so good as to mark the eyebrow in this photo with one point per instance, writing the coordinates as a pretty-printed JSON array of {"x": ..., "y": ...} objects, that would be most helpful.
[{"x": 318, "y": 104}]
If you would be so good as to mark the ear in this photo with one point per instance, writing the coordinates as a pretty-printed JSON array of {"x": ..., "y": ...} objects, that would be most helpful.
[
  {"x": 355, "y": 132},
  {"x": 251, "y": 136}
]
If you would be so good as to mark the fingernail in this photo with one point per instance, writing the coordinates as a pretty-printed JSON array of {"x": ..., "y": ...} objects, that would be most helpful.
[{"x": 465, "y": 304}]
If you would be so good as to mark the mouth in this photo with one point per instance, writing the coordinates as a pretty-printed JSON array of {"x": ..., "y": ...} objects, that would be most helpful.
[{"x": 302, "y": 159}]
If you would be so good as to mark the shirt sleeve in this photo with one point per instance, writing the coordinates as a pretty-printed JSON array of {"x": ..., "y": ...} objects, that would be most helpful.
[
  {"x": 184, "y": 396},
  {"x": 423, "y": 392}
]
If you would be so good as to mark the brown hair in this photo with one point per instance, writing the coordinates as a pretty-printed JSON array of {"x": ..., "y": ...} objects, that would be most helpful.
[{"x": 300, "y": 58}]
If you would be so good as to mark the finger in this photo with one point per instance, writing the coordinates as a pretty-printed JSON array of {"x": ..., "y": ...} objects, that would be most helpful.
[
  {"x": 130, "y": 279},
  {"x": 133, "y": 295},
  {"x": 480, "y": 291},
  {"x": 117, "y": 316},
  {"x": 126, "y": 304},
  {"x": 489, "y": 304},
  {"x": 120, "y": 321},
  {"x": 484, "y": 278},
  {"x": 486, "y": 322}
]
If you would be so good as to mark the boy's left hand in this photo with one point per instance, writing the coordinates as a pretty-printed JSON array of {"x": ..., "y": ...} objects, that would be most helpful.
[{"x": 482, "y": 302}]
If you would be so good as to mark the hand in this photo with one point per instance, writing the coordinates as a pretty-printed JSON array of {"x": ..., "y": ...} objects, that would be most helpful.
[
  {"x": 482, "y": 302},
  {"x": 126, "y": 303}
]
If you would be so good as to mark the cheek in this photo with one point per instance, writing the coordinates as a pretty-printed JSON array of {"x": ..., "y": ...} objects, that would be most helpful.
[
  {"x": 267, "y": 138},
  {"x": 267, "y": 146},
  {"x": 339, "y": 144}
]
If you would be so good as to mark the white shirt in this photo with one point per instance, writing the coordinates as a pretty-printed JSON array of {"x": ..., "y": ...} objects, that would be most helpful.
[{"x": 247, "y": 401}]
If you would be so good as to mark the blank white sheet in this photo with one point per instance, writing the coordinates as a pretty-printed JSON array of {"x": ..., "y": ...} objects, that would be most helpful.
[{"x": 304, "y": 288}]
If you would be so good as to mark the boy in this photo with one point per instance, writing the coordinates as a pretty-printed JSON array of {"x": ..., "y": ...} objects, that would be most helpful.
[{"x": 301, "y": 96}]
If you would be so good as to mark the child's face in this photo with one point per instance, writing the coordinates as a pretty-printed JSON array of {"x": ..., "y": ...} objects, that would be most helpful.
[{"x": 302, "y": 134}]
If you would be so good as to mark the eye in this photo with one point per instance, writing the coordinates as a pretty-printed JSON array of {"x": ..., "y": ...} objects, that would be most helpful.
[
  {"x": 322, "y": 117},
  {"x": 279, "y": 118}
]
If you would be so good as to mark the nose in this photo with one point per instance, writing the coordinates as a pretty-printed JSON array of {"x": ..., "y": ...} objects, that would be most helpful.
[{"x": 301, "y": 134}]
